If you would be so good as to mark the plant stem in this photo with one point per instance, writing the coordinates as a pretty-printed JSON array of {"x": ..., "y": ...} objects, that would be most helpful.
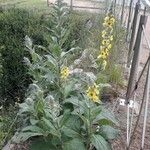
[{"x": 89, "y": 129}]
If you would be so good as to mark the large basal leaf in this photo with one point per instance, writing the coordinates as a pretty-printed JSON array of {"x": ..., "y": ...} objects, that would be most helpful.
[
  {"x": 104, "y": 122},
  {"x": 24, "y": 136},
  {"x": 74, "y": 144},
  {"x": 74, "y": 123},
  {"x": 70, "y": 132},
  {"x": 109, "y": 132},
  {"x": 106, "y": 114},
  {"x": 42, "y": 144},
  {"x": 33, "y": 129},
  {"x": 50, "y": 127},
  {"x": 99, "y": 142}
]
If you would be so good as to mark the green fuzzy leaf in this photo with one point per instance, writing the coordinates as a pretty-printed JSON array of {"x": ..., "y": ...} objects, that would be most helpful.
[
  {"x": 85, "y": 120},
  {"x": 99, "y": 142},
  {"x": 105, "y": 122},
  {"x": 74, "y": 145},
  {"x": 64, "y": 54},
  {"x": 28, "y": 43},
  {"x": 76, "y": 102},
  {"x": 70, "y": 133},
  {"x": 109, "y": 132},
  {"x": 64, "y": 118},
  {"x": 52, "y": 60},
  {"x": 24, "y": 136},
  {"x": 95, "y": 111},
  {"x": 56, "y": 50},
  {"x": 33, "y": 121},
  {"x": 42, "y": 144},
  {"x": 49, "y": 127},
  {"x": 106, "y": 114},
  {"x": 68, "y": 89},
  {"x": 74, "y": 123},
  {"x": 33, "y": 129}
]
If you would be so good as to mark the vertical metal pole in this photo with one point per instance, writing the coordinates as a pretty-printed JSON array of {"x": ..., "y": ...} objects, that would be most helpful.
[
  {"x": 135, "y": 62},
  {"x": 115, "y": 7},
  {"x": 133, "y": 73},
  {"x": 48, "y": 3},
  {"x": 122, "y": 13},
  {"x": 129, "y": 19},
  {"x": 134, "y": 27},
  {"x": 106, "y": 5},
  {"x": 146, "y": 98},
  {"x": 71, "y": 5}
]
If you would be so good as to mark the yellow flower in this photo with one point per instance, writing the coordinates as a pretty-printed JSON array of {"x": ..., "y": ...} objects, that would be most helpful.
[
  {"x": 111, "y": 38},
  {"x": 93, "y": 93},
  {"x": 106, "y": 42},
  {"x": 104, "y": 48},
  {"x": 106, "y": 18},
  {"x": 112, "y": 19},
  {"x": 109, "y": 22},
  {"x": 104, "y": 64},
  {"x": 109, "y": 46},
  {"x": 102, "y": 55},
  {"x": 104, "y": 34},
  {"x": 64, "y": 72}
]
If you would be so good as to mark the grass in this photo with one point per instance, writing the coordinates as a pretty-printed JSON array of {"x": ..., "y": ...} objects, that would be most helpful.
[{"x": 26, "y": 4}]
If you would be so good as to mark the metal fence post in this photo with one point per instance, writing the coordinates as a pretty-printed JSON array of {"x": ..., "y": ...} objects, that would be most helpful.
[
  {"x": 122, "y": 12},
  {"x": 133, "y": 35},
  {"x": 135, "y": 61},
  {"x": 146, "y": 98},
  {"x": 129, "y": 19},
  {"x": 71, "y": 4},
  {"x": 115, "y": 7}
]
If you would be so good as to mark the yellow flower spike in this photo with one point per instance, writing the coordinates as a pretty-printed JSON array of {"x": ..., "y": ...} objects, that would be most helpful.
[
  {"x": 93, "y": 93},
  {"x": 64, "y": 72},
  {"x": 104, "y": 64}
]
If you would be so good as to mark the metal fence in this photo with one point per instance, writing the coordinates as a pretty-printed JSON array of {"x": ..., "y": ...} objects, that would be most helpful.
[{"x": 135, "y": 35}]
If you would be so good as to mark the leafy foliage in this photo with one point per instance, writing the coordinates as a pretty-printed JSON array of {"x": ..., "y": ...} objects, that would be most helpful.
[
  {"x": 14, "y": 25},
  {"x": 57, "y": 110}
]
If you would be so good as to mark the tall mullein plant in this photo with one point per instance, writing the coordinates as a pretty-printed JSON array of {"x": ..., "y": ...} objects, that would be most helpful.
[{"x": 50, "y": 69}]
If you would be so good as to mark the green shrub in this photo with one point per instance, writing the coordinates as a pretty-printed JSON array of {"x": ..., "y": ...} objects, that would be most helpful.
[
  {"x": 8, "y": 124},
  {"x": 15, "y": 24}
]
